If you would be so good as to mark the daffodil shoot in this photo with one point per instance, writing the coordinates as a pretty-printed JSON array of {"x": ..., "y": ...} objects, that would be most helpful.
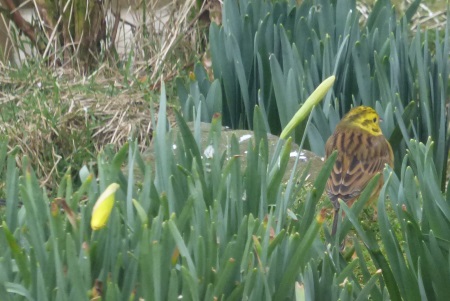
[{"x": 103, "y": 207}]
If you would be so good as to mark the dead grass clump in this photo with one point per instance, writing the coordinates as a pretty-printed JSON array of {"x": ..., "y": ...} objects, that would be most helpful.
[
  {"x": 67, "y": 124},
  {"x": 155, "y": 38},
  {"x": 428, "y": 15},
  {"x": 60, "y": 117}
]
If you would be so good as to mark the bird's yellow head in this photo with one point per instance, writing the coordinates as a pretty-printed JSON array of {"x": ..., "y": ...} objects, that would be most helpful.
[{"x": 364, "y": 118}]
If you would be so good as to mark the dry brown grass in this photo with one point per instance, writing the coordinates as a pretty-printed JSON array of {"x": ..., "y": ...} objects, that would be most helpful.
[
  {"x": 163, "y": 42},
  {"x": 59, "y": 117},
  {"x": 430, "y": 14},
  {"x": 69, "y": 125}
]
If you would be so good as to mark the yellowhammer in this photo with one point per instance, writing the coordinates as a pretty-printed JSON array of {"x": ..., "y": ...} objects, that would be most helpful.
[{"x": 362, "y": 153}]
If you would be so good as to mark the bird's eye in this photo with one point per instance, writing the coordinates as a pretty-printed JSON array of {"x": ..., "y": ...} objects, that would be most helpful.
[{"x": 375, "y": 119}]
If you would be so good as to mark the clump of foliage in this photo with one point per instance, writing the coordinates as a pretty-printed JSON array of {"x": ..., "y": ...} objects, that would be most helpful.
[
  {"x": 201, "y": 226},
  {"x": 274, "y": 54}
]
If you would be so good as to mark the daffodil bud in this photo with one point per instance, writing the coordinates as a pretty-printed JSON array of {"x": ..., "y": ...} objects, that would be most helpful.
[{"x": 103, "y": 207}]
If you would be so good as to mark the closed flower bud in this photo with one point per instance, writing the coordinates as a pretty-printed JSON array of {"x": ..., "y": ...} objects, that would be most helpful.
[{"x": 103, "y": 207}]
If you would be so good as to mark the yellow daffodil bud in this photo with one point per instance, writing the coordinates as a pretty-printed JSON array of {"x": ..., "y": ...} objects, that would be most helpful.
[{"x": 103, "y": 207}]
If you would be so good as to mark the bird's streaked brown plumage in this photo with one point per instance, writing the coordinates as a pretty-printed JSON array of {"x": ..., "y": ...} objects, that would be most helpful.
[{"x": 362, "y": 153}]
